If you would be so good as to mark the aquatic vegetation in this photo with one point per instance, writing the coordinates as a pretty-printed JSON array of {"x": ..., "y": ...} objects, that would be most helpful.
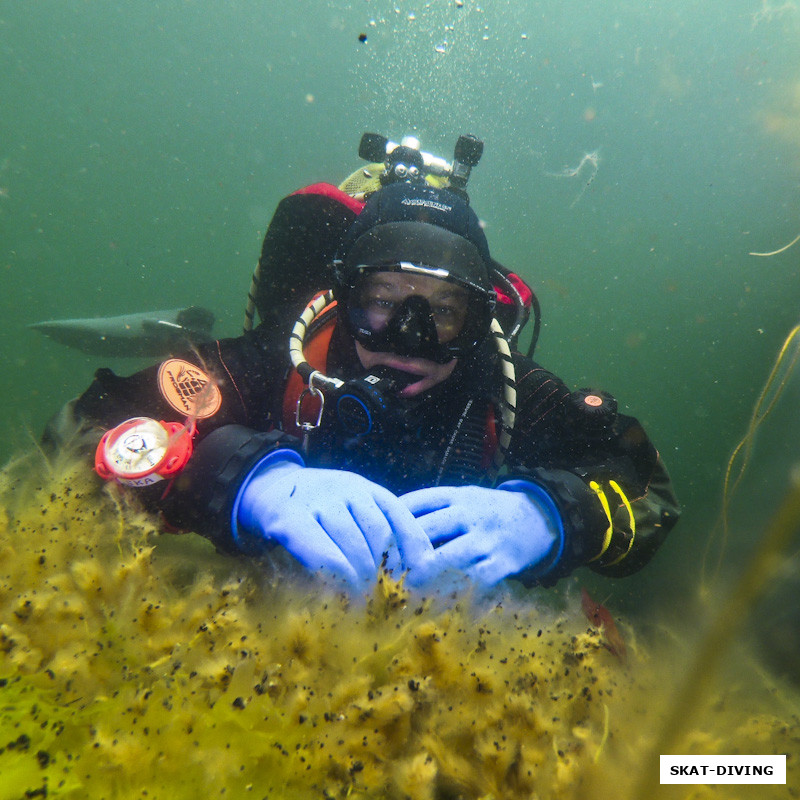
[
  {"x": 139, "y": 664},
  {"x": 771, "y": 392},
  {"x": 699, "y": 680},
  {"x": 779, "y": 250}
]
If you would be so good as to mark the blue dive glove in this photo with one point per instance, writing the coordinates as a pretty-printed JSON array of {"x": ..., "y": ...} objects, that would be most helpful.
[
  {"x": 331, "y": 521},
  {"x": 490, "y": 534}
]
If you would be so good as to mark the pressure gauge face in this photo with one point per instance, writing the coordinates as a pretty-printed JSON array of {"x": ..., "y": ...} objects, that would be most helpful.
[
  {"x": 135, "y": 449},
  {"x": 141, "y": 451}
]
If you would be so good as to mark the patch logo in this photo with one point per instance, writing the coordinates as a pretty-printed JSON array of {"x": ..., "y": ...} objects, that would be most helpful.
[{"x": 188, "y": 389}]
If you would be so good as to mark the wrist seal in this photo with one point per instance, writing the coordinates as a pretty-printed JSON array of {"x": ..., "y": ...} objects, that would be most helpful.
[
  {"x": 204, "y": 493},
  {"x": 584, "y": 522}
]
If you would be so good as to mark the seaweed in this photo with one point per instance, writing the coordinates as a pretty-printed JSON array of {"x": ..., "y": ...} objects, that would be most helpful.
[{"x": 135, "y": 663}]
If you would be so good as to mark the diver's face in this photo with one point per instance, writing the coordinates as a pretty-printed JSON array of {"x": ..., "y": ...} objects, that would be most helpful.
[{"x": 383, "y": 294}]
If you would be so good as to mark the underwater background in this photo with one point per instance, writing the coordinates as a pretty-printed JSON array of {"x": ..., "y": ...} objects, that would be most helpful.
[{"x": 636, "y": 154}]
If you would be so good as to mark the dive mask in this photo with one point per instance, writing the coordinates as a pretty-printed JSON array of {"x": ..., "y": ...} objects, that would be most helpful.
[
  {"x": 417, "y": 311},
  {"x": 412, "y": 276}
]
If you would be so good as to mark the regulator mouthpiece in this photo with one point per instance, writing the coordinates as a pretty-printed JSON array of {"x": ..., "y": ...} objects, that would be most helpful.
[{"x": 370, "y": 404}]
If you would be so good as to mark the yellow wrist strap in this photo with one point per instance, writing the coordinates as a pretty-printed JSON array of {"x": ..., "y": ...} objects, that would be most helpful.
[
  {"x": 622, "y": 496},
  {"x": 601, "y": 496}
]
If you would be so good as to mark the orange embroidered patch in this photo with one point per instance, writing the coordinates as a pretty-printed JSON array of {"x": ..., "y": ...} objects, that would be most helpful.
[{"x": 188, "y": 389}]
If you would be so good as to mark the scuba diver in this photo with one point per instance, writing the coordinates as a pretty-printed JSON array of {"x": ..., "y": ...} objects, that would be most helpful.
[{"x": 380, "y": 415}]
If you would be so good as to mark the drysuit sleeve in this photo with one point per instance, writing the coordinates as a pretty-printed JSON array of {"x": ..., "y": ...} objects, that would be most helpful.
[
  {"x": 606, "y": 478},
  {"x": 227, "y": 388}
]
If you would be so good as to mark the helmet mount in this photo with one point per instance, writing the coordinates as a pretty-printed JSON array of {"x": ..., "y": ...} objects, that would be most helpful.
[{"x": 407, "y": 162}]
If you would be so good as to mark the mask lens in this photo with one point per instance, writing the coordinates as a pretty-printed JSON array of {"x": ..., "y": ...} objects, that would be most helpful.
[
  {"x": 381, "y": 295},
  {"x": 413, "y": 313}
]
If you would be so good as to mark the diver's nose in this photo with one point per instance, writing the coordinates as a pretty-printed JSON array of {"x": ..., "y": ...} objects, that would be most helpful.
[{"x": 412, "y": 328}]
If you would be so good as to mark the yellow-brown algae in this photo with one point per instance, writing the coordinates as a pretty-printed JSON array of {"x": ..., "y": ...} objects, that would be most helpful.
[{"x": 135, "y": 664}]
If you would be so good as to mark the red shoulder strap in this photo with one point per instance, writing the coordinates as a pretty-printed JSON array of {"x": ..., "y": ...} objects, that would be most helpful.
[{"x": 335, "y": 193}]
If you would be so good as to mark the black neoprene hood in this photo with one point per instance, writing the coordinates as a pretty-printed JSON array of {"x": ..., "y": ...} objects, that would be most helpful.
[
  {"x": 422, "y": 244},
  {"x": 417, "y": 223}
]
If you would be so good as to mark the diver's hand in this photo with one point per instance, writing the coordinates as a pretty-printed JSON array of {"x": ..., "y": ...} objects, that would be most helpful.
[
  {"x": 331, "y": 521},
  {"x": 488, "y": 534}
]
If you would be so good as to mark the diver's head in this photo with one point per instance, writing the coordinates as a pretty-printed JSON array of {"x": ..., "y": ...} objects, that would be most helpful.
[{"x": 412, "y": 276}]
